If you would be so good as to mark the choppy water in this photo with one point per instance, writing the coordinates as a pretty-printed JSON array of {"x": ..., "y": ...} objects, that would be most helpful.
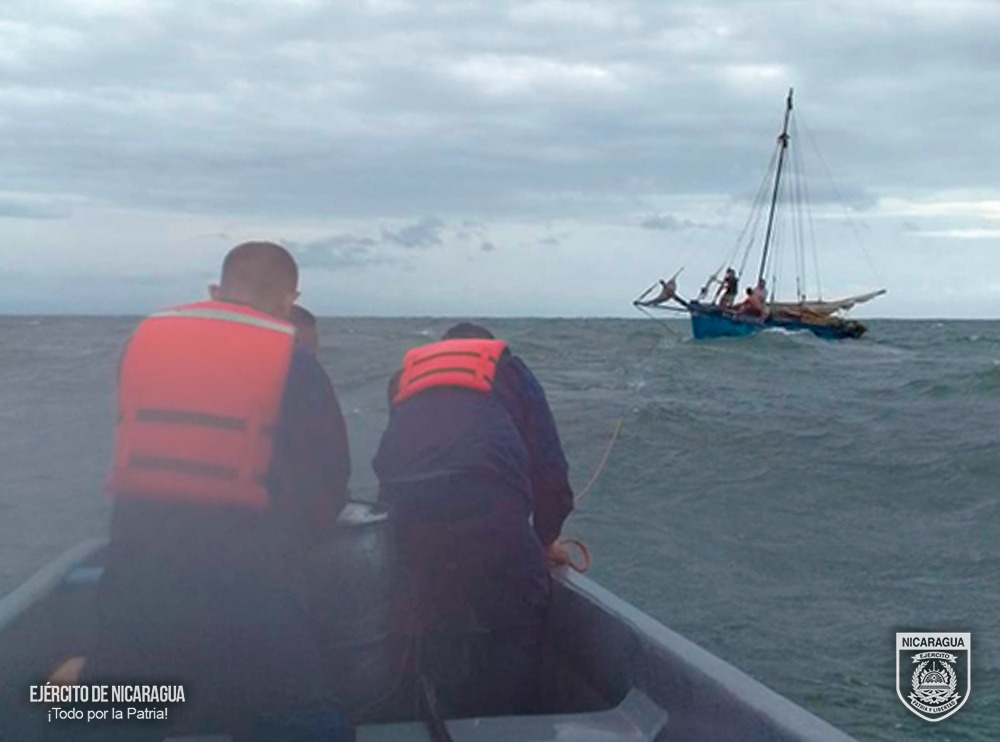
[{"x": 786, "y": 502}]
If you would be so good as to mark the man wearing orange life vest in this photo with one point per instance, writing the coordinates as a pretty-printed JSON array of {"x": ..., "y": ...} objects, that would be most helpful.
[
  {"x": 231, "y": 460},
  {"x": 477, "y": 485}
]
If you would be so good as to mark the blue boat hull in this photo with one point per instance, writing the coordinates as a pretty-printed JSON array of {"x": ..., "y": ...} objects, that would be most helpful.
[
  {"x": 708, "y": 321},
  {"x": 711, "y": 322}
]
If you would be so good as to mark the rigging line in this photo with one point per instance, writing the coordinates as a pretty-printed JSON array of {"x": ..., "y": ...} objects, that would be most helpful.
[
  {"x": 812, "y": 238},
  {"x": 801, "y": 210},
  {"x": 658, "y": 321},
  {"x": 778, "y": 240},
  {"x": 749, "y": 224},
  {"x": 604, "y": 461},
  {"x": 646, "y": 292},
  {"x": 760, "y": 206},
  {"x": 756, "y": 213},
  {"x": 662, "y": 308},
  {"x": 795, "y": 163},
  {"x": 784, "y": 239},
  {"x": 804, "y": 214},
  {"x": 758, "y": 216},
  {"x": 769, "y": 273},
  {"x": 843, "y": 206},
  {"x": 696, "y": 244},
  {"x": 777, "y": 251}
]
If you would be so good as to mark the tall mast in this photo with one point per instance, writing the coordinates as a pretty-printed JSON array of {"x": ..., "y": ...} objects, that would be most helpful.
[{"x": 783, "y": 142}]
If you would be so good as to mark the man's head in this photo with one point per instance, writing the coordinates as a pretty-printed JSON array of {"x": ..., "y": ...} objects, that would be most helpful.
[
  {"x": 306, "y": 335},
  {"x": 261, "y": 274},
  {"x": 467, "y": 331}
]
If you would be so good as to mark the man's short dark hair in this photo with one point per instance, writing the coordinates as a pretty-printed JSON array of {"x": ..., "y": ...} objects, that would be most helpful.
[
  {"x": 468, "y": 331},
  {"x": 259, "y": 268}
]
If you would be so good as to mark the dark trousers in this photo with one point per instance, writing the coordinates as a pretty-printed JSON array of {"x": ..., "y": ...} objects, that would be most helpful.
[
  {"x": 477, "y": 603},
  {"x": 204, "y": 599}
]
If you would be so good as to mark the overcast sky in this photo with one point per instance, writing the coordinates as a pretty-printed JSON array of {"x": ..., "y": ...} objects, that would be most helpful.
[{"x": 495, "y": 158}]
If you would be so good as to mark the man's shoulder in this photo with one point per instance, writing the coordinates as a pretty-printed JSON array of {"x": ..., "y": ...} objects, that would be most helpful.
[
  {"x": 516, "y": 362},
  {"x": 305, "y": 362},
  {"x": 514, "y": 373},
  {"x": 306, "y": 375}
]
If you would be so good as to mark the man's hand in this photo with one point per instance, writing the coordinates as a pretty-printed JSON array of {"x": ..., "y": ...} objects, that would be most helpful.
[
  {"x": 68, "y": 672},
  {"x": 560, "y": 554},
  {"x": 557, "y": 555}
]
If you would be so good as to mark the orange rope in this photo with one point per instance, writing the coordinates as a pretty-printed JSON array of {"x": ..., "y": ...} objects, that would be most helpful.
[
  {"x": 603, "y": 462},
  {"x": 584, "y": 564}
]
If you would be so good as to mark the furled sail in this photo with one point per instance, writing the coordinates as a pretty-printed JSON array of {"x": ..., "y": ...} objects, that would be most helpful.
[{"x": 824, "y": 308}]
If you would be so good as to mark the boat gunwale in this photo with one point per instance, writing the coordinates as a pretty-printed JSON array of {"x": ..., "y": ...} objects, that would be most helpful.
[
  {"x": 44, "y": 581},
  {"x": 700, "y": 668}
]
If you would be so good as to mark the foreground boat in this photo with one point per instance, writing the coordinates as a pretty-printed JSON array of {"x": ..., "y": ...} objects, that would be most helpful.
[
  {"x": 613, "y": 673},
  {"x": 722, "y": 316}
]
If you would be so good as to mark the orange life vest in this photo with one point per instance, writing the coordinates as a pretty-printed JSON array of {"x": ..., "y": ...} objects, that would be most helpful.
[
  {"x": 468, "y": 363},
  {"x": 199, "y": 395}
]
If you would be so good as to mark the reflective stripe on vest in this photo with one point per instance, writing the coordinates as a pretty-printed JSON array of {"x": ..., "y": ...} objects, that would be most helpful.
[
  {"x": 199, "y": 397},
  {"x": 463, "y": 363},
  {"x": 211, "y": 312}
]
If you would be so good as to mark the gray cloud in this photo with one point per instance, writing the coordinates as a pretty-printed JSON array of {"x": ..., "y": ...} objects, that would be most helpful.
[
  {"x": 469, "y": 229},
  {"x": 12, "y": 208},
  {"x": 348, "y": 250},
  {"x": 519, "y": 114},
  {"x": 337, "y": 251},
  {"x": 424, "y": 107},
  {"x": 668, "y": 223},
  {"x": 487, "y": 246},
  {"x": 423, "y": 233}
]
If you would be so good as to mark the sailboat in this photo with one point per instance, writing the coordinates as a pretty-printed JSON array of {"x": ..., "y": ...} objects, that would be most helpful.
[{"x": 721, "y": 315}]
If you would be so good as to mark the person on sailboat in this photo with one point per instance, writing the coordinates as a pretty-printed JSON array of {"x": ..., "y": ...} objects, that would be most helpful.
[
  {"x": 728, "y": 289},
  {"x": 753, "y": 304},
  {"x": 759, "y": 297}
]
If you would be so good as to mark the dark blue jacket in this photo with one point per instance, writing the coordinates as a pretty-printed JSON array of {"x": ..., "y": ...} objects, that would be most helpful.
[
  {"x": 311, "y": 464},
  {"x": 452, "y": 448}
]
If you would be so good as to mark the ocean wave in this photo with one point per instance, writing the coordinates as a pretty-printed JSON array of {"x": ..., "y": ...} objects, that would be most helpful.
[{"x": 796, "y": 483}]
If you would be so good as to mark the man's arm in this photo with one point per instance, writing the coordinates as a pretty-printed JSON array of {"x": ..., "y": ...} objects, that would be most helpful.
[
  {"x": 525, "y": 400},
  {"x": 312, "y": 455}
]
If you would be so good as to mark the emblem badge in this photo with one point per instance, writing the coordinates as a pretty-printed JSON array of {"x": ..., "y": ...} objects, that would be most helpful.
[{"x": 933, "y": 672}]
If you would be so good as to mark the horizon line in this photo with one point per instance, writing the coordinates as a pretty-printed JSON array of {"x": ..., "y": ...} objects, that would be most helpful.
[{"x": 110, "y": 315}]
